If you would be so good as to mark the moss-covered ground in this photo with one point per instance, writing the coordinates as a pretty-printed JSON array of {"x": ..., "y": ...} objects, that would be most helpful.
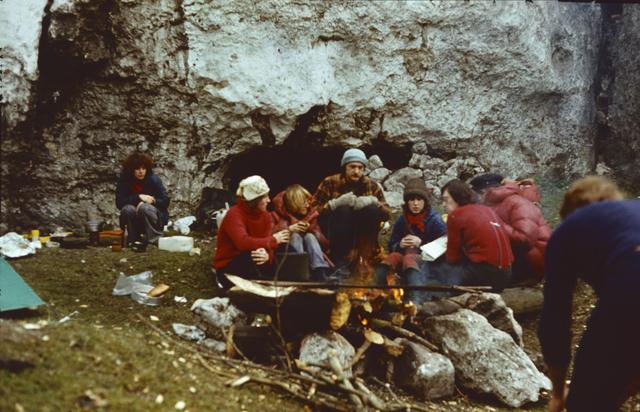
[{"x": 110, "y": 348}]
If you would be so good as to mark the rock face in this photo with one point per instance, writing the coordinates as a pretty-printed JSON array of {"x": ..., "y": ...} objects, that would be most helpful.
[
  {"x": 619, "y": 145},
  {"x": 486, "y": 359},
  {"x": 217, "y": 90},
  {"x": 427, "y": 374}
]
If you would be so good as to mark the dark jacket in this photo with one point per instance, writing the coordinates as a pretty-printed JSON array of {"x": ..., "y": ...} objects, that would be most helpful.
[
  {"x": 476, "y": 233},
  {"x": 282, "y": 219},
  {"x": 523, "y": 222},
  {"x": 600, "y": 244},
  {"x": 433, "y": 224},
  {"x": 151, "y": 185},
  {"x": 243, "y": 229}
]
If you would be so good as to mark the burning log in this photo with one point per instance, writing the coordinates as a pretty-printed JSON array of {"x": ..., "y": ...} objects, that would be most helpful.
[
  {"x": 334, "y": 286},
  {"x": 384, "y": 324}
]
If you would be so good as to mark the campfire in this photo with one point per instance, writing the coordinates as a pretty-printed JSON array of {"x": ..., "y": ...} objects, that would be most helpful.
[{"x": 333, "y": 344}]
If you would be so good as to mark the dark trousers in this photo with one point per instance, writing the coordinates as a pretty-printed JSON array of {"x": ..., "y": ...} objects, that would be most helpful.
[
  {"x": 521, "y": 270},
  {"x": 344, "y": 226},
  {"x": 145, "y": 220},
  {"x": 243, "y": 266},
  {"x": 465, "y": 273},
  {"x": 608, "y": 358}
]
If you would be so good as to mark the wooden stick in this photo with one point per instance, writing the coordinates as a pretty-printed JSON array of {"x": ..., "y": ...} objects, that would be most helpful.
[
  {"x": 361, "y": 350},
  {"x": 380, "y": 323},
  {"x": 321, "y": 285},
  {"x": 337, "y": 369}
]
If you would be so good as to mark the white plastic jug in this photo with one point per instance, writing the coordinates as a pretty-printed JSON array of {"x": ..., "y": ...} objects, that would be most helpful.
[{"x": 176, "y": 243}]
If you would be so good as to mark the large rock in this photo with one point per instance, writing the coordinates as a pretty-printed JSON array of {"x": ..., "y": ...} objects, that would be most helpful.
[
  {"x": 216, "y": 316},
  {"x": 492, "y": 307},
  {"x": 199, "y": 82},
  {"x": 318, "y": 348},
  {"x": 487, "y": 360},
  {"x": 427, "y": 374},
  {"x": 396, "y": 181}
]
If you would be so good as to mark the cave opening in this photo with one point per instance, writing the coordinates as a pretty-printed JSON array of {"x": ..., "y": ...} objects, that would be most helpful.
[{"x": 304, "y": 164}]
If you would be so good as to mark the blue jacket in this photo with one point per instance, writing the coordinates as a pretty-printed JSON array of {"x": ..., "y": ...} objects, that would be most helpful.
[
  {"x": 600, "y": 244},
  {"x": 433, "y": 224},
  {"x": 151, "y": 185}
]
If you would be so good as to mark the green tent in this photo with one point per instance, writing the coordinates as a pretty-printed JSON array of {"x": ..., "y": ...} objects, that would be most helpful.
[{"x": 14, "y": 291}]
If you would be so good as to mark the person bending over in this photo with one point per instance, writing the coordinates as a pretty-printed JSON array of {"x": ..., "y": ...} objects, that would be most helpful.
[{"x": 598, "y": 242}]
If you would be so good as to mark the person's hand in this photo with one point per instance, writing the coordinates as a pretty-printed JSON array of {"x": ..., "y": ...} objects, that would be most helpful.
[
  {"x": 147, "y": 198},
  {"x": 347, "y": 199},
  {"x": 557, "y": 402},
  {"x": 259, "y": 256},
  {"x": 364, "y": 201},
  {"x": 282, "y": 236},
  {"x": 299, "y": 227},
  {"x": 410, "y": 241}
]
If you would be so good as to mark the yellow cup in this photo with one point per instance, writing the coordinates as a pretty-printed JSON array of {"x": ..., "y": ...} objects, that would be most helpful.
[{"x": 35, "y": 234}]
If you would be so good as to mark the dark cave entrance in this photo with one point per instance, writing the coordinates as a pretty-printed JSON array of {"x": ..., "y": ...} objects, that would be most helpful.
[{"x": 305, "y": 165}]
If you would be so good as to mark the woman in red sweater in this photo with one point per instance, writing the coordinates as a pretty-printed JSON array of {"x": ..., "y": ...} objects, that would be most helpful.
[
  {"x": 478, "y": 249},
  {"x": 245, "y": 243}
]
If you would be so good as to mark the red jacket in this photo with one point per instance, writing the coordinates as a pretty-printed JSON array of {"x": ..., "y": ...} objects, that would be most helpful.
[
  {"x": 243, "y": 229},
  {"x": 476, "y": 232},
  {"x": 523, "y": 220},
  {"x": 282, "y": 219}
]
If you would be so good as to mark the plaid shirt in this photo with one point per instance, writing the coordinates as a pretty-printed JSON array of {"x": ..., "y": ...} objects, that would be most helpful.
[{"x": 336, "y": 185}]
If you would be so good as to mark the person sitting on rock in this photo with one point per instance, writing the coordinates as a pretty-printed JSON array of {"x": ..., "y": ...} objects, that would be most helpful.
[
  {"x": 598, "y": 241},
  {"x": 142, "y": 199},
  {"x": 352, "y": 208},
  {"x": 478, "y": 250},
  {"x": 293, "y": 212},
  {"x": 528, "y": 231},
  {"x": 419, "y": 224},
  {"x": 245, "y": 242}
]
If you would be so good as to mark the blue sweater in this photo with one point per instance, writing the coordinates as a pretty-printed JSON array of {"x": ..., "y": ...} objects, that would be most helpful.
[
  {"x": 600, "y": 244},
  {"x": 433, "y": 224},
  {"x": 151, "y": 185}
]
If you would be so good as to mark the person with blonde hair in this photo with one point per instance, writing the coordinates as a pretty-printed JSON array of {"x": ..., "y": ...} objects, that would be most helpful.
[
  {"x": 293, "y": 212},
  {"x": 598, "y": 242},
  {"x": 245, "y": 239}
]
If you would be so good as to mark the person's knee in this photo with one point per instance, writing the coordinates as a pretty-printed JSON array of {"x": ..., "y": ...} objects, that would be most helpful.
[
  {"x": 147, "y": 208},
  {"x": 310, "y": 239},
  {"x": 128, "y": 210}
]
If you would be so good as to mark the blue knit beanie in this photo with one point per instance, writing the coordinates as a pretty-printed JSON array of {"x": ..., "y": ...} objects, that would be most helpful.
[{"x": 354, "y": 155}]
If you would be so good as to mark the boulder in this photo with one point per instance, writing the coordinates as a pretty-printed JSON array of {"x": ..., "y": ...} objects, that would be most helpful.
[
  {"x": 318, "y": 348},
  {"x": 487, "y": 360},
  {"x": 375, "y": 162},
  {"x": 492, "y": 307},
  {"x": 427, "y": 374},
  {"x": 396, "y": 181},
  {"x": 395, "y": 200},
  {"x": 379, "y": 174},
  {"x": 215, "y": 316}
]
